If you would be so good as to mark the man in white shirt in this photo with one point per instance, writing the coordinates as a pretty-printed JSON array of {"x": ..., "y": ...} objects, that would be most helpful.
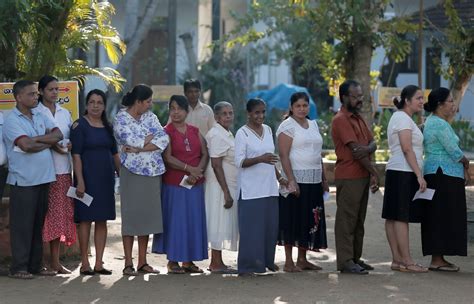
[{"x": 200, "y": 114}]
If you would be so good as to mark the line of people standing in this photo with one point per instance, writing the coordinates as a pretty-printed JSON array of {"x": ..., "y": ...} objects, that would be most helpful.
[{"x": 194, "y": 186}]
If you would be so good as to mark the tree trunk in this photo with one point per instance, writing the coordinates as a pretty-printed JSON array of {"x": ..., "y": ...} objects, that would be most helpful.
[
  {"x": 135, "y": 37},
  {"x": 459, "y": 87},
  {"x": 359, "y": 69}
]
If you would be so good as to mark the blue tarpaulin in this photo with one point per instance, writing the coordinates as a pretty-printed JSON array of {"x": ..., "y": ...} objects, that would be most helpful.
[{"x": 279, "y": 97}]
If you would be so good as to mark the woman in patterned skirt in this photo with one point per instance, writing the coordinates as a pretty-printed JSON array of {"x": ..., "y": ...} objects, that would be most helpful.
[{"x": 59, "y": 221}]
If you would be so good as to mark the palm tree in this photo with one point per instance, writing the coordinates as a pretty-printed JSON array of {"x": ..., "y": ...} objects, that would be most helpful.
[{"x": 49, "y": 34}]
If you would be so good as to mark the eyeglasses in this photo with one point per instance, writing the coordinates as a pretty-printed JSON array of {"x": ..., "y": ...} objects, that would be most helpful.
[
  {"x": 360, "y": 97},
  {"x": 186, "y": 145}
]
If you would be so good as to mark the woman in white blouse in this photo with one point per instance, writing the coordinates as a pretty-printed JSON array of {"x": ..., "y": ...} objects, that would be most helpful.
[
  {"x": 258, "y": 192},
  {"x": 403, "y": 177},
  {"x": 141, "y": 140},
  {"x": 302, "y": 218},
  {"x": 59, "y": 224},
  {"x": 221, "y": 188}
]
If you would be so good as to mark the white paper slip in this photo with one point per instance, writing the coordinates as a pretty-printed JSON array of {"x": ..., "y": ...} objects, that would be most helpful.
[
  {"x": 427, "y": 195},
  {"x": 184, "y": 184},
  {"x": 86, "y": 199},
  {"x": 284, "y": 191},
  {"x": 18, "y": 149},
  {"x": 326, "y": 196}
]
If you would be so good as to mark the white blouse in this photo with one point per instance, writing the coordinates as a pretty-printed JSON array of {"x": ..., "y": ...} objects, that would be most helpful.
[
  {"x": 305, "y": 152},
  {"x": 259, "y": 180},
  {"x": 62, "y": 119},
  {"x": 398, "y": 122}
]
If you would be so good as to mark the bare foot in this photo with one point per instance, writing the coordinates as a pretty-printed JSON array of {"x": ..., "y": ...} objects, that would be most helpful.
[
  {"x": 291, "y": 268},
  {"x": 61, "y": 269},
  {"x": 305, "y": 265}
]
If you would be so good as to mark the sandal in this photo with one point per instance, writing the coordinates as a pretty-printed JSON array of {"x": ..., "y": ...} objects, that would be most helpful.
[
  {"x": 175, "y": 269},
  {"x": 87, "y": 272},
  {"x": 103, "y": 271},
  {"x": 446, "y": 268},
  {"x": 413, "y": 268},
  {"x": 308, "y": 266},
  {"x": 22, "y": 275},
  {"x": 46, "y": 273},
  {"x": 395, "y": 266},
  {"x": 192, "y": 269},
  {"x": 129, "y": 271},
  {"x": 145, "y": 268},
  {"x": 226, "y": 270}
]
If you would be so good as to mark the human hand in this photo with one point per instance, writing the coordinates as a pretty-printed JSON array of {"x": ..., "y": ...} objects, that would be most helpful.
[
  {"x": 69, "y": 146},
  {"x": 467, "y": 177},
  {"x": 195, "y": 171},
  {"x": 268, "y": 158},
  {"x": 229, "y": 201},
  {"x": 360, "y": 151},
  {"x": 374, "y": 183},
  {"x": 422, "y": 183},
  {"x": 80, "y": 189},
  {"x": 294, "y": 188},
  {"x": 325, "y": 185},
  {"x": 148, "y": 139},
  {"x": 191, "y": 180},
  {"x": 130, "y": 149}
]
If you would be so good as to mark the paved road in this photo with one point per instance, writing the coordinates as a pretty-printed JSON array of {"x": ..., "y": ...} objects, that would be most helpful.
[{"x": 326, "y": 286}]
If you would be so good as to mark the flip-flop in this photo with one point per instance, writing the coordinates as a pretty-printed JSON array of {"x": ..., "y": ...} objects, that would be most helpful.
[
  {"x": 22, "y": 275},
  {"x": 395, "y": 266},
  {"x": 46, "y": 273},
  {"x": 310, "y": 266},
  {"x": 175, "y": 269},
  {"x": 103, "y": 271},
  {"x": 87, "y": 272},
  {"x": 418, "y": 268},
  {"x": 192, "y": 269},
  {"x": 223, "y": 271},
  {"x": 129, "y": 271},
  {"x": 143, "y": 269},
  {"x": 446, "y": 268}
]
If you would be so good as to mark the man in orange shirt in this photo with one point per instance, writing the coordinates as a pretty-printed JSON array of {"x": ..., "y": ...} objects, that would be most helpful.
[{"x": 354, "y": 175}]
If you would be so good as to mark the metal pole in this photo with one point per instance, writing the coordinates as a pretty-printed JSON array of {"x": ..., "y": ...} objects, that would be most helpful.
[{"x": 420, "y": 47}]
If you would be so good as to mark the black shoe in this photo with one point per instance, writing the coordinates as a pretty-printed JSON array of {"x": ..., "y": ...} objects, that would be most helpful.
[
  {"x": 103, "y": 271},
  {"x": 353, "y": 268},
  {"x": 87, "y": 272},
  {"x": 364, "y": 265}
]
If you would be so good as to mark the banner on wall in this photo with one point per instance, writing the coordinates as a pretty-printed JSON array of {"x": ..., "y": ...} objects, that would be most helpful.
[
  {"x": 386, "y": 95},
  {"x": 68, "y": 97}
]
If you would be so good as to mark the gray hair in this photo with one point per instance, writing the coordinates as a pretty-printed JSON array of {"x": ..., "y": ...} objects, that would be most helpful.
[{"x": 221, "y": 105}]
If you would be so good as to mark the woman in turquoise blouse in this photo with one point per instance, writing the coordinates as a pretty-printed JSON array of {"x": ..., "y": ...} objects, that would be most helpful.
[{"x": 443, "y": 224}]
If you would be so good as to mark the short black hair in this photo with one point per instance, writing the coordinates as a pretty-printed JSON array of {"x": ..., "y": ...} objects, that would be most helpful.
[
  {"x": 253, "y": 102},
  {"x": 20, "y": 85},
  {"x": 344, "y": 87},
  {"x": 191, "y": 83},
  {"x": 436, "y": 98},
  {"x": 181, "y": 101}
]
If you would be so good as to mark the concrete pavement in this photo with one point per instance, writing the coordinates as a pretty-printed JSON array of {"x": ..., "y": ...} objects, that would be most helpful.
[{"x": 326, "y": 286}]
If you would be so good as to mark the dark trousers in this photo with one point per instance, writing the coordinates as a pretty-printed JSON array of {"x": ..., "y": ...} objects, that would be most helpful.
[
  {"x": 351, "y": 198},
  {"x": 28, "y": 206}
]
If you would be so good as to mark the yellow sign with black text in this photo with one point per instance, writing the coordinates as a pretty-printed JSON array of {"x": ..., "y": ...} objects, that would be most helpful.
[
  {"x": 68, "y": 97},
  {"x": 386, "y": 95}
]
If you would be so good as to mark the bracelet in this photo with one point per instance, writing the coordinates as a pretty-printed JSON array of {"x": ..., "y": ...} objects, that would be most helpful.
[
  {"x": 185, "y": 166},
  {"x": 280, "y": 178}
]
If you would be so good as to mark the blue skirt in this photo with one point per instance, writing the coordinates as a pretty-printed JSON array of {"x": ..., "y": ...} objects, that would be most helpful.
[
  {"x": 258, "y": 228},
  {"x": 184, "y": 237}
]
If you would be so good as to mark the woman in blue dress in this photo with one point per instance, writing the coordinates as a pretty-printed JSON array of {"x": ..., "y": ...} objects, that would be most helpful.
[{"x": 95, "y": 161}]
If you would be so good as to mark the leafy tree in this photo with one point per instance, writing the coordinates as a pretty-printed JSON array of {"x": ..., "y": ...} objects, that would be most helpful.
[
  {"x": 457, "y": 41},
  {"x": 336, "y": 37},
  {"x": 42, "y": 37}
]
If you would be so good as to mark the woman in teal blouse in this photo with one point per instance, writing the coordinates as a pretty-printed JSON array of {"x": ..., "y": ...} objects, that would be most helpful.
[{"x": 444, "y": 219}]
